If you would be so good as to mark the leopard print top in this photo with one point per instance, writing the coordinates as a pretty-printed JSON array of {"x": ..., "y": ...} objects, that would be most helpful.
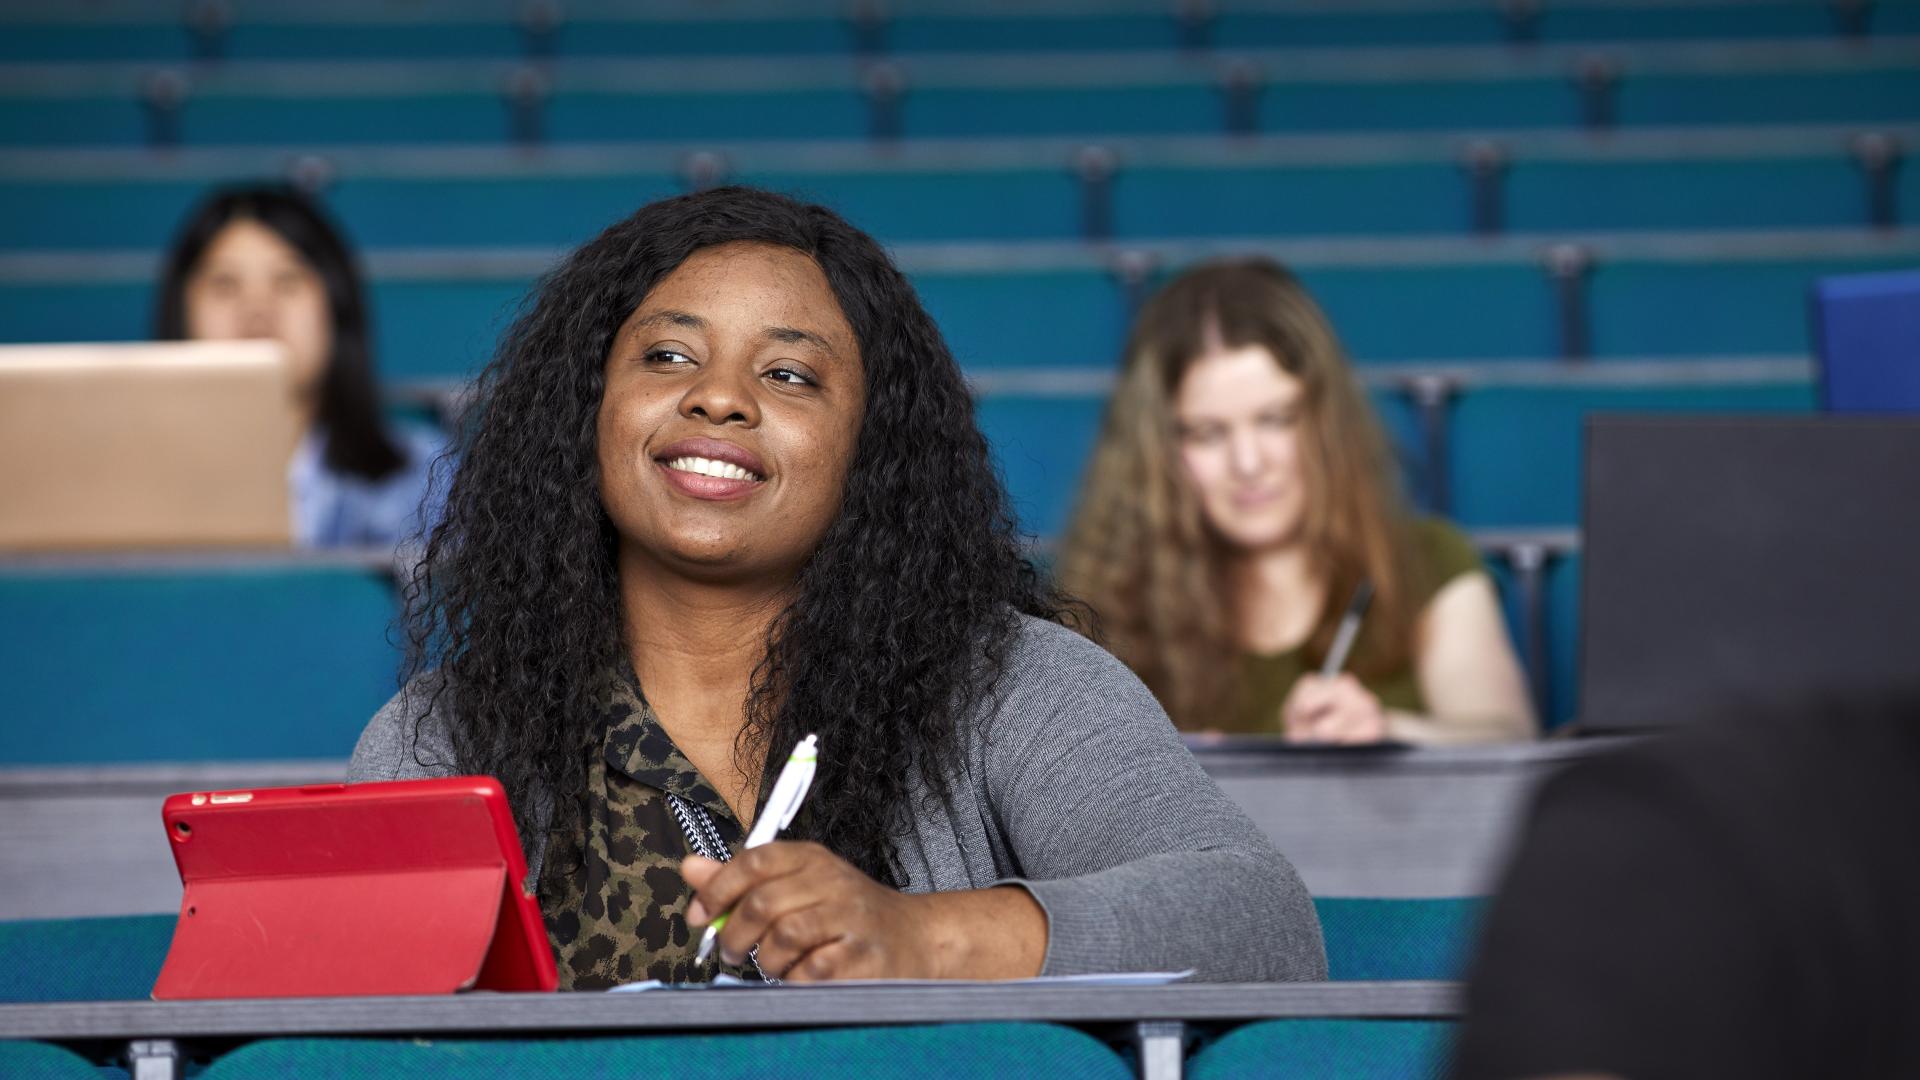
[{"x": 614, "y": 901}]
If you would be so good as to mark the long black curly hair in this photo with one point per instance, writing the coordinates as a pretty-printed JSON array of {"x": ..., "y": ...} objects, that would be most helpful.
[{"x": 903, "y": 615}]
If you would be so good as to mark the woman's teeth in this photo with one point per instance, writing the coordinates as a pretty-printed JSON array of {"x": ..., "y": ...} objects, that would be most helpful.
[{"x": 725, "y": 470}]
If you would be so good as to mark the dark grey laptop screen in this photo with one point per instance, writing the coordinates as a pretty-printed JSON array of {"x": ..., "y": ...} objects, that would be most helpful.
[{"x": 1734, "y": 562}]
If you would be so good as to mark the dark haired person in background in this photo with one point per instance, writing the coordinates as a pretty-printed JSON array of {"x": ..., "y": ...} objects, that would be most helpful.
[
  {"x": 726, "y": 489},
  {"x": 262, "y": 262},
  {"x": 1737, "y": 899}
]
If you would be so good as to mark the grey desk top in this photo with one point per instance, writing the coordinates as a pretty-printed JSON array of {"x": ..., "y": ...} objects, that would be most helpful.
[
  {"x": 1367, "y": 821},
  {"x": 1246, "y": 754},
  {"x": 721, "y": 1009},
  {"x": 1219, "y": 754}
]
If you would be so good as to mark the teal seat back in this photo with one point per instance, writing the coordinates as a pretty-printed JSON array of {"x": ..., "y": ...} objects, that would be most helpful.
[
  {"x": 1383, "y": 940},
  {"x": 227, "y": 664},
  {"x": 41, "y": 1061},
  {"x": 955, "y": 1051},
  {"x": 1327, "y": 1050},
  {"x": 107, "y": 959}
]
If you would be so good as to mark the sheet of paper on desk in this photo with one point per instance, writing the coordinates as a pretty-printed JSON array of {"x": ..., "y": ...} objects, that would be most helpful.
[{"x": 1120, "y": 978}]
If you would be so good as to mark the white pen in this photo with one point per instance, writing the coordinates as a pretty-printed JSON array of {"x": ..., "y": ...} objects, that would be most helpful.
[{"x": 788, "y": 793}]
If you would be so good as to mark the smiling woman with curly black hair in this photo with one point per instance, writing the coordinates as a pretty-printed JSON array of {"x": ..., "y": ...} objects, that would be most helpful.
[{"x": 724, "y": 489}]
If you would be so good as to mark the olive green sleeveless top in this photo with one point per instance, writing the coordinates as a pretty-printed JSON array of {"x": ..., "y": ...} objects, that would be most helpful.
[{"x": 1442, "y": 553}]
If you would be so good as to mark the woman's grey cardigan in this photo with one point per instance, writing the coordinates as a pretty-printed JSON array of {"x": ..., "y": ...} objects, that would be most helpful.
[{"x": 1077, "y": 788}]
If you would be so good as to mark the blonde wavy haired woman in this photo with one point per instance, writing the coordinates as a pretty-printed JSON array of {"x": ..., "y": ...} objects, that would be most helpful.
[{"x": 1241, "y": 494}]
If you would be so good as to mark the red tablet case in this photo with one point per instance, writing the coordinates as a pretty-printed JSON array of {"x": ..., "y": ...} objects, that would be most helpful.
[{"x": 410, "y": 887}]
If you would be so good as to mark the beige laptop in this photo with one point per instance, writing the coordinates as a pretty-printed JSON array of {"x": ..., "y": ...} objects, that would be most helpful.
[{"x": 144, "y": 445}]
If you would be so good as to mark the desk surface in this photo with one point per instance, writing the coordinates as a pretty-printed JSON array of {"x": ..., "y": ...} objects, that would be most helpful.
[
  {"x": 1219, "y": 754},
  {"x": 1357, "y": 822},
  {"x": 684, "y": 1010},
  {"x": 1267, "y": 755}
]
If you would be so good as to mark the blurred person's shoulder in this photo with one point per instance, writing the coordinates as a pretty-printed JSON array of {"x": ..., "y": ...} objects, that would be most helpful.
[
  {"x": 1736, "y": 896},
  {"x": 1771, "y": 786}
]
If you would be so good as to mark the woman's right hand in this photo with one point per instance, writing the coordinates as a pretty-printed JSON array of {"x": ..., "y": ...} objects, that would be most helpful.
[{"x": 1332, "y": 710}]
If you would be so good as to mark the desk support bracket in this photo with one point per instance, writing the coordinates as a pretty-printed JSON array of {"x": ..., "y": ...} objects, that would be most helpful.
[
  {"x": 154, "y": 1059},
  {"x": 1163, "y": 1048}
]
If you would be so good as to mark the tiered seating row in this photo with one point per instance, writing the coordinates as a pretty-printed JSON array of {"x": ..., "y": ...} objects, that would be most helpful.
[
  {"x": 262, "y": 659},
  {"x": 1007, "y": 190},
  {"x": 505, "y": 29},
  {"x": 465, "y": 101},
  {"x": 1683, "y": 244},
  {"x": 439, "y": 312}
]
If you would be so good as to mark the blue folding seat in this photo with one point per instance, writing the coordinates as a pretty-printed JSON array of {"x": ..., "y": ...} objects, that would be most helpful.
[
  {"x": 784, "y": 31},
  {"x": 1708, "y": 303},
  {"x": 113, "y": 309},
  {"x": 248, "y": 662},
  {"x": 1373, "y": 939},
  {"x": 429, "y": 328},
  {"x": 1516, "y": 451},
  {"x": 1122, "y": 105},
  {"x": 1091, "y": 30},
  {"x": 1252, "y": 28},
  {"x": 949, "y": 1050},
  {"x": 98, "y": 959},
  {"x": 223, "y": 115},
  {"x": 102, "y": 119},
  {"x": 264, "y": 33},
  {"x": 43, "y": 1061},
  {"x": 501, "y": 208},
  {"x": 1682, "y": 22},
  {"x": 1419, "y": 104},
  {"x": 1883, "y": 89},
  {"x": 968, "y": 203},
  {"x": 1753, "y": 192},
  {"x": 1327, "y": 1050},
  {"x": 1235, "y": 200},
  {"x": 161, "y": 38},
  {"x": 1437, "y": 310},
  {"x": 833, "y": 111},
  {"x": 1070, "y": 317},
  {"x": 137, "y": 211}
]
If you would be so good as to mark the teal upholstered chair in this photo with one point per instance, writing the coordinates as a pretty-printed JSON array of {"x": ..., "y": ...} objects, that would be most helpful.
[
  {"x": 951, "y": 1050},
  {"x": 1326, "y": 1050},
  {"x": 109, "y": 959},
  {"x": 1398, "y": 939},
  {"x": 234, "y": 663},
  {"x": 41, "y": 1061}
]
